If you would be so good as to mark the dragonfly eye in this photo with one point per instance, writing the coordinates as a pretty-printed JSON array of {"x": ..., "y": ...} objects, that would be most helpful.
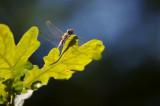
[{"x": 70, "y": 31}]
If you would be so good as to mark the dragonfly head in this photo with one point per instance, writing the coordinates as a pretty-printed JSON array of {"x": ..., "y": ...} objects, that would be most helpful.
[{"x": 70, "y": 31}]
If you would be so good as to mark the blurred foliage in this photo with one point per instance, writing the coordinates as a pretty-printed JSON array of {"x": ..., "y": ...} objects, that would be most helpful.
[{"x": 153, "y": 4}]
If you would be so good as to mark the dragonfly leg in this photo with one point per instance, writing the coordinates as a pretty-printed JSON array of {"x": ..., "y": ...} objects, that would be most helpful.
[{"x": 60, "y": 44}]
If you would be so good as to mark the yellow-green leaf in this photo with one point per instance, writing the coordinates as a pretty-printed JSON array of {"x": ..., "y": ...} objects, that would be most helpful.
[
  {"x": 7, "y": 47},
  {"x": 14, "y": 58},
  {"x": 3, "y": 93},
  {"x": 17, "y": 74},
  {"x": 62, "y": 66}
]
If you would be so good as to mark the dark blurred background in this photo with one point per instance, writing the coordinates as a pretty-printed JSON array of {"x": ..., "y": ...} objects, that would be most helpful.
[{"x": 128, "y": 74}]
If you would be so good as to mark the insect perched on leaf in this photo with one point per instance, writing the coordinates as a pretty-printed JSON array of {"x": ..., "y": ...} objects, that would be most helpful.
[
  {"x": 57, "y": 32},
  {"x": 58, "y": 38}
]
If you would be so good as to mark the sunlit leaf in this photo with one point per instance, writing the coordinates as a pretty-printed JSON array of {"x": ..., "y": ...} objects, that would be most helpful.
[
  {"x": 3, "y": 93},
  {"x": 62, "y": 66},
  {"x": 14, "y": 58},
  {"x": 18, "y": 75}
]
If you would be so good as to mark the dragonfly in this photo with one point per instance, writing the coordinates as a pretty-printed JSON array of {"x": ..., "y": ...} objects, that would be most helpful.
[{"x": 57, "y": 33}]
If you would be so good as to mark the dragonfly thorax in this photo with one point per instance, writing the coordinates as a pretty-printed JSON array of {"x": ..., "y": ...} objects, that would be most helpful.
[{"x": 55, "y": 31}]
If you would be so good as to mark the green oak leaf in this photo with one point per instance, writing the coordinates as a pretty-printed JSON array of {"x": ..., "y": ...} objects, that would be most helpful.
[
  {"x": 14, "y": 58},
  {"x": 3, "y": 93},
  {"x": 18, "y": 75},
  {"x": 62, "y": 66}
]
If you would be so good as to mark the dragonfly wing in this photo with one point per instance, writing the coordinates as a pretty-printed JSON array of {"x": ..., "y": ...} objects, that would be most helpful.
[
  {"x": 53, "y": 29},
  {"x": 50, "y": 38},
  {"x": 82, "y": 40}
]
